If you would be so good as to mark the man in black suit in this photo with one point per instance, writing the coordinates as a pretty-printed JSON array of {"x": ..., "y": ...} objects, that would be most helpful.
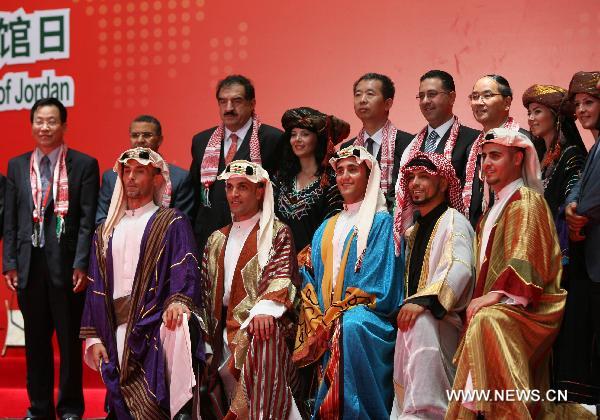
[
  {"x": 240, "y": 136},
  {"x": 490, "y": 102},
  {"x": 49, "y": 222},
  {"x": 146, "y": 131},
  {"x": 373, "y": 99},
  {"x": 443, "y": 133}
]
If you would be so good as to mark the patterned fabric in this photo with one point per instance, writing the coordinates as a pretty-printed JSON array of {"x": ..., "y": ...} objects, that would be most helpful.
[
  {"x": 554, "y": 97},
  {"x": 404, "y": 205},
  {"x": 388, "y": 146},
  {"x": 60, "y": 191},
  {"x": 210, "y": 162},
  {"x": 431, "y": 141},
  {"x": 585, "y": 82},
  {"x": 232, "y": 148},
  {"x": 448, "y": 148},
  {"x": 474, "y": 156}
]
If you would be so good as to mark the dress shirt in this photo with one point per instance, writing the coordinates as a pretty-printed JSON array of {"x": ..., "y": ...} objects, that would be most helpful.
[
  {"x": 241, "y": 133},
  {"x": 345, "y": 222}
]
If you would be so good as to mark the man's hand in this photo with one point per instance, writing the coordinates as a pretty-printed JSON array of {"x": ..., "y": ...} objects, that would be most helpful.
[
  {"x": 99, "y": 354},
  {"x": 173, "y": 316},
  {"x": 80, "y": 280},
  {"x": 488, "y": 299},
  {"x": 262, "y": 326},
  {"x": 11, "y": 279},
  {"x": 408, "y": 315},
  {"x": 575, "y": 222}
]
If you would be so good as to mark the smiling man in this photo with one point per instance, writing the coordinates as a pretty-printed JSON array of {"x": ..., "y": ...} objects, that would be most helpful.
[
  {"x": 444, "y": 134},
  {"x": 50, "y": 202},
  {"x": 251, "y": 271},
  {"x": 240, "y": 136},
  {"x": 352, "y": 283},
  {"x": 373, "y": 99},
  {"x": 146, "y": 131},
  {"x": 438, "y": 283},
  {"x": 517, "y": 303}
]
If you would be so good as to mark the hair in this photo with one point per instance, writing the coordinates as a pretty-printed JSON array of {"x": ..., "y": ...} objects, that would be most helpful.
[
  {"x": 387, "y": 86},
  {"x": 290, "y": 164},
  {"x": 445, "y": 77},
  {"x": 49, "y": 102},
  {"x": 237, "y": 79},
  {"x": 503, "y": 86},
  {"x": 149, "y": 119}
]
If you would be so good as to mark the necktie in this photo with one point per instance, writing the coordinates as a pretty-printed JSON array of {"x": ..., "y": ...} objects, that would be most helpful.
[
  {"x": 431, "y": 141},
  {"x": 45, "y": 175},
  {"x": 232, "y": 148},
  {"x": 369, "y": 142}
]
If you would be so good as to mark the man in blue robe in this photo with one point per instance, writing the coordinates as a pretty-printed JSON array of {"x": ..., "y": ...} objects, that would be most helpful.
[
  {"x": 352, "y": 285},
  {"x": 143, "y": 272}
]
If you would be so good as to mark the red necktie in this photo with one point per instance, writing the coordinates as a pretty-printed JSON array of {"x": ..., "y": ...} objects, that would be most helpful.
[{"x": 232, "y": 148}]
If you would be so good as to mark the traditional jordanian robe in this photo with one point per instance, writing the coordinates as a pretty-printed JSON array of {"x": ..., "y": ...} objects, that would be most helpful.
[
  {"x": 344, "y": 323},
  {"x": 507, "y": 345},
  {"x": 439, "y": 277},
  {"x": 167, "y": 271},
  {"x": 263, "y": 372}
]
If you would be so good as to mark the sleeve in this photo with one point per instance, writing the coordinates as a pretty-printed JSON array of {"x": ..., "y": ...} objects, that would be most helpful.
[
  {"x": 88, "y": 201},
  {"x": 9, "y": 254},
  {"x": 333, "y": 200},
  {"x": 194, "y": 180},
  {"x": 184, "y": 197},
  {"x": 574, "y": 161},
  {"x": 104, "y": 197}
]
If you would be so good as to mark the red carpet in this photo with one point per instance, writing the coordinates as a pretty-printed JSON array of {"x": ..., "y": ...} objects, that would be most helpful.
[{"x": 13, "y": 394}]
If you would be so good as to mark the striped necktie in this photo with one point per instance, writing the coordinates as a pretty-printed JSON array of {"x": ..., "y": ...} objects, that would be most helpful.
[{"x": 431, "y": 141}]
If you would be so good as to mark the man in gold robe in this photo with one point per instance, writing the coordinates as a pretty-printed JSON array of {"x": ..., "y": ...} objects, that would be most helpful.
[{"x": 517, "y": 303}]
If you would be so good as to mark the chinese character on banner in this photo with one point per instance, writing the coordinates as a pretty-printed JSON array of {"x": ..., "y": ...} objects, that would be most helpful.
[{"x": 31, "y": 37}]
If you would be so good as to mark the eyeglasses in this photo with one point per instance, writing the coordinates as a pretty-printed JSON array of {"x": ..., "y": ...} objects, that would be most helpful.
[
  {"x": 146, "y": 135},
  {"x": 486, "y": 96},
  {"x": 430, "y": 94}
]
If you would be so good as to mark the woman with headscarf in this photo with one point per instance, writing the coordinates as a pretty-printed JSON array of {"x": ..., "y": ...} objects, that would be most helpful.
[{"x": 304, "y": 186}]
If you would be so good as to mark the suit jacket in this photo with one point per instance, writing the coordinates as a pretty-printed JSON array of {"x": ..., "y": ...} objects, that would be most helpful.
[
  {"x": 209, "y": 219},
  {"x": 476, "y": 207},
  {"x": 587, "y": 195},
  {"x": 73, "y": 249},
  {"x": 402, "y": 141},
  {"x": 2, "y": 189},
  {"x": 182, "y": 194},
  {"x": 462, "y": 148}
]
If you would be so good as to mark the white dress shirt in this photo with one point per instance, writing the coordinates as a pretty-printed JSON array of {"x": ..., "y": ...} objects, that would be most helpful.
[
  {"x": 241, "y": 133},
  {"x": 377, "y": 140},
  {"x": 441, "y": 130}
]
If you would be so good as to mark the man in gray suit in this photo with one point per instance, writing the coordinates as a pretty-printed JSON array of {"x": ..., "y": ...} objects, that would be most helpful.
[
  {"x": 146, "y": 131},
  {"x": 50, "y": 202}
]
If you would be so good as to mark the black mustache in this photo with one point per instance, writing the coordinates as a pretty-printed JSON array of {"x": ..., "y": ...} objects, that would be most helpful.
[{"x": 232, "y": 113}]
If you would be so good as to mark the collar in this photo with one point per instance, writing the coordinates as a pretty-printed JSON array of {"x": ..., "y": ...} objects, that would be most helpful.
[
  {"x": 509, "y": 189},
  {"x": 53, "y": 155},
  {"x": 442, "y": 129},
  {"x": 433, "y": 215},
  {"x": 139, "y": 212},
  {"x": 377, "y": 136},
  {"x": 248, "y": 223},
  {"x": 352, "y": 208},
  {"x": 241, "y": 133}
]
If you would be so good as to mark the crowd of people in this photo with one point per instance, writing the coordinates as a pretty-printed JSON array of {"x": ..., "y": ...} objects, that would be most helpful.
[{"x": 298, "y": 274}]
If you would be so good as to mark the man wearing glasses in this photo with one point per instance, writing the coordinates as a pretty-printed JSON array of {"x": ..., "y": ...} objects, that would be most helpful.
[
  {"x": 490, "y": 102},
  {"x": 146, "y": 131},
  {"x": 444, "y": 134}
]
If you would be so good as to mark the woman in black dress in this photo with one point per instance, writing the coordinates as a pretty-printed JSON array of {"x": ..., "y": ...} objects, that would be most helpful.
[{"x": 304, "y": 186}]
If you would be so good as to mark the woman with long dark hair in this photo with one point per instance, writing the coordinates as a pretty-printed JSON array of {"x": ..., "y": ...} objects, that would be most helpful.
[{"x": 304, "y": 186}]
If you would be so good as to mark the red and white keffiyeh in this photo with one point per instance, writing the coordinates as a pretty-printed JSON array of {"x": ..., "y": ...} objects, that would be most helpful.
[
  {"x": 388, "y": 145},
  {"x": 60, "y": 195},
  {"x": 448, "y": 148},
  {"x": 467, "y": 192},
  {"x": 403, "y": 215},
  {"x": 209, "y": 169}
]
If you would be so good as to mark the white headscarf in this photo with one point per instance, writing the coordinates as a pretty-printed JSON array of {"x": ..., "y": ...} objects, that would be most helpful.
[
  {"x": 374, "y": 199},
  {"x": 118, "y": 203},
  {"x": 255, "y": 173},
  {"x": 531, "y": 172}
]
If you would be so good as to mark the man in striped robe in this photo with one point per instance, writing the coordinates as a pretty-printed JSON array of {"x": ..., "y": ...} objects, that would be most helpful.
[{"x": 251, "y": 267}]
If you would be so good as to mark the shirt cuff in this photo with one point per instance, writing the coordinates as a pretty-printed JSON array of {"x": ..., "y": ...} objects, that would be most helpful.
[
  {"x": 511, "y": 299},
  {"x": 265, "y": 307},
  {"x": 87, "y": 354}
]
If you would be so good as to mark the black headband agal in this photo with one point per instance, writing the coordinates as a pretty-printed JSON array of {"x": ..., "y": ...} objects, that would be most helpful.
[{"x": 422, "y": 162}]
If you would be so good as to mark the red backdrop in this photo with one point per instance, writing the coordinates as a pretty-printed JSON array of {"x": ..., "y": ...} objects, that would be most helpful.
[{"x": 165, "y": 57}]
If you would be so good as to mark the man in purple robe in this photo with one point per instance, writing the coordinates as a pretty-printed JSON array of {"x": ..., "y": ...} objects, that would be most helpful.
[{"x": 144, "y": 273}]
